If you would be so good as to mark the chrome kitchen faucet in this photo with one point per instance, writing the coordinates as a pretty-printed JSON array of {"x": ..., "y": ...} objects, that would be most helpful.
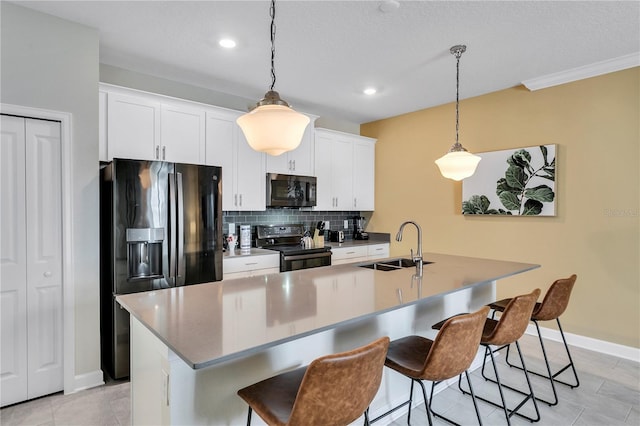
[{"x": 417, "y": 257}]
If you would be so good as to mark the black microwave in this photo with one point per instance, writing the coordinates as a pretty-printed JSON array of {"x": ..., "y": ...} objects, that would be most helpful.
[{"x": 290, "y": 190}]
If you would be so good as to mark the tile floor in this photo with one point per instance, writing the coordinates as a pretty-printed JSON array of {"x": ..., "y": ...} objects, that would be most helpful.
[{"x": 609, "y": 394}]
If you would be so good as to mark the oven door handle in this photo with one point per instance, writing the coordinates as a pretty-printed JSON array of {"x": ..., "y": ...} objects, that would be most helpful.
[{"x": 306, "y": 256}]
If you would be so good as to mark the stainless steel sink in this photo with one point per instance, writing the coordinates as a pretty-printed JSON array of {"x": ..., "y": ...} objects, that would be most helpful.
[
  {"x": 380, "y": 267},
  {"x": 392, "y": 264},
  {"x": 400, "y": 263}
]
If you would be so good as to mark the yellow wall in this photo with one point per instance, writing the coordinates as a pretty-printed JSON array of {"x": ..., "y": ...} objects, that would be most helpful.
[{"x": 596, "y": 234}]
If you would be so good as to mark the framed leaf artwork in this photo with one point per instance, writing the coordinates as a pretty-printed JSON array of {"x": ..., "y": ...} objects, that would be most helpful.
[{"x": 513, "y": 182}]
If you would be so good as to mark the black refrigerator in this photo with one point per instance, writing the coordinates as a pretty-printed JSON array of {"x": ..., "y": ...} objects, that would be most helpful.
[{"x": 160, "y": 227}]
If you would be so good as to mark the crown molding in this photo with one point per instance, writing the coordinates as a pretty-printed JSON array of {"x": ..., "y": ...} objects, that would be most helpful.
[{"x": 587, "y": 71}]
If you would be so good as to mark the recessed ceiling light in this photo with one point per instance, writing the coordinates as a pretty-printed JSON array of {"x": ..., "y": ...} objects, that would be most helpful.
[
  {"x": 227, "y": 43},
  {"x": 369, "y": 91}
]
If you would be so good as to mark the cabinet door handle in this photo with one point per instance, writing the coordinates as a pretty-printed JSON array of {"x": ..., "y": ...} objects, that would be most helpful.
[
  {"x": 235, "y": 200},
  {"x": 240, "y": 200},
  {"x": 164, "y": 151},
  {"x": 294, "y": 165},
  {"x": 289, "y": 168},
  {"x": 355, "y": 202},
  {"x": 47, "y": 274},
  {"x": 157, "y": 152}
]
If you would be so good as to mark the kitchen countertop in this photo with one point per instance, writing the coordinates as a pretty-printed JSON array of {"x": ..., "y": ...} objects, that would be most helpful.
[{"x": 202, "y": 325}]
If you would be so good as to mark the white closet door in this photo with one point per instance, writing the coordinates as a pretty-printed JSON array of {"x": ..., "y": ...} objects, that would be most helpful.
[
  {"x": 44, "y": 257},
  {"x": 30, "y": 259},
  {"x": 13, "y": 262}
]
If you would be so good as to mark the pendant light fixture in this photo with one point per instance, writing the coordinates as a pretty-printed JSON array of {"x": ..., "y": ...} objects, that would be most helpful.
[
  {"x": 272, "y": 126},
  {"x": 458, "y": 163}
]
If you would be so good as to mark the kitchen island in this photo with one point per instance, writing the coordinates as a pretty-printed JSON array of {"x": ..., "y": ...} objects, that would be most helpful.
[{"x": 193, "y": 347}]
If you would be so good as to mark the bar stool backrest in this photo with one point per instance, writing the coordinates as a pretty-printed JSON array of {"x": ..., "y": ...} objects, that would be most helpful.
[
  {"x": 513, "y": 321},
  {"x": 555, "y": 300},
  {"x": 338, "y": 388},
  {"x": 455, "y": 346}
]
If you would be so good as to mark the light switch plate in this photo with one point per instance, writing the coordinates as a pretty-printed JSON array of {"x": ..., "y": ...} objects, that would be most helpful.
[
  {"x": 327, "y": 225},
  {"x": 346, "y": 224}
]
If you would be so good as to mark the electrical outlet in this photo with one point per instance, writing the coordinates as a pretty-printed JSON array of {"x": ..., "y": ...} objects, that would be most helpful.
[
  {"x": 346, "y": 224},
  {"x": 327, "y": 225}
]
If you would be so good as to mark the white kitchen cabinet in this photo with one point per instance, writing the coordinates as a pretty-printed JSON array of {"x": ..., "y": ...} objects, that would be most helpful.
[
  {"x": 364, "y": 158},
  {"x": 300, "y": 160},
  {"x": 133, "y": 127},
  {"x": 340, "y": 255},
  {"x": 345, "y": 167},
  {"x": 378, "y": 251},
  {"x": 359, "y": 253},
  {"x": 243, "y": 169},
  {"x": 31, "y": 360},
  {"x": 248, "y": 266},
  {"x": 334, "y": 163},
  {"x": 145, "y": 126},
  {"x": 182, "y": 138}
]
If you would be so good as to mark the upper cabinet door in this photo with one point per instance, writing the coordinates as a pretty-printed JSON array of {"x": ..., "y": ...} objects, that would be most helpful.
[
  {"x": 300, "y": 160},
  {"x": 342, "y": 173},
  {"x": 243, "y": 169},
  {"x": 182, "y": 137},
  {"x": 220, "y": 151},
  {"x": 325, "y": 200},
  {"x": 250, "y": 176},
  {"x": 364, "y": 159},
  {"x": 133, "y": 127}
]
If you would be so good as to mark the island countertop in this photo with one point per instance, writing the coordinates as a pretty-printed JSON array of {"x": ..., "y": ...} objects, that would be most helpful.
[{"x": 207, "y": 324}]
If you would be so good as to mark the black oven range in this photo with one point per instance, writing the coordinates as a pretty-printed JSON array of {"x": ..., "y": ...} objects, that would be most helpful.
[{"x": 287, "y": 239}]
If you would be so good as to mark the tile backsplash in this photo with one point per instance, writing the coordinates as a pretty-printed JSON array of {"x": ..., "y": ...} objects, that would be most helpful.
[{"x": 289, "y": 216}]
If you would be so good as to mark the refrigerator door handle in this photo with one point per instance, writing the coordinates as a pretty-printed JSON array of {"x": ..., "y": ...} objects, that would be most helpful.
[
  {"x": 181, "y": 264},
  {"x": 172, "y": 228}
]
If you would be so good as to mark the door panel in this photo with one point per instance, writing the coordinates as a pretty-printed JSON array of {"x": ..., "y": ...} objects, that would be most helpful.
[
  {"x": 141, "y": 197},
  {"x": 13, "y": 264},
  {"x": 201, "y": 225},
  {"x": 133, "y": 127},
  {"x": 44, "y": 257}
]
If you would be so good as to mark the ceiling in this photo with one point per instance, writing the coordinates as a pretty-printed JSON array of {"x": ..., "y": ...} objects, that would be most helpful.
[{"x": 327, "y": 52}]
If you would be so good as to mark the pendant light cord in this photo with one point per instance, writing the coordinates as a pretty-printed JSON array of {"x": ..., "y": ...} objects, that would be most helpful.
[
  {"x": 273, "y": 40},
  {"x": 458, "y": 54}
]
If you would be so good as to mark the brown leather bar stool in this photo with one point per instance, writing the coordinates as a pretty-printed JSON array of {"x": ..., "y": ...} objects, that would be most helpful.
[
  {"x": 332, "y": 390},
  {"x": 500, "y": 334},
  {"x": 552, "y": 306},
  {"x": 449, "y": 355}
]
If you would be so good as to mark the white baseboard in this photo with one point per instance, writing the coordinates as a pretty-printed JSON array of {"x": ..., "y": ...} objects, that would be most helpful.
[
  {"x": 601, "y": 346},
  {"x": 86, "y": 381}
]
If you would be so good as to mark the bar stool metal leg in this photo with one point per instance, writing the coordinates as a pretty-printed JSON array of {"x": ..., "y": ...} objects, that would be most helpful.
[
  {"x": 473, "y": 398},
  {"x": 551, "y": 376},
  {"x": 528, "y": 395}
]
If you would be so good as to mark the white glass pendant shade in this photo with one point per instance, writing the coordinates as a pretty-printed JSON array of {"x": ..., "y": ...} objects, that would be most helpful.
[
  {"x": 458, "y": 165},
  {"x": 274, "y": 129}
]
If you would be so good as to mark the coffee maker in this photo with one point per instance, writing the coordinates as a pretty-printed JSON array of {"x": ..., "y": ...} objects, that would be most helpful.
[{"x": 358, "y": 229}]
